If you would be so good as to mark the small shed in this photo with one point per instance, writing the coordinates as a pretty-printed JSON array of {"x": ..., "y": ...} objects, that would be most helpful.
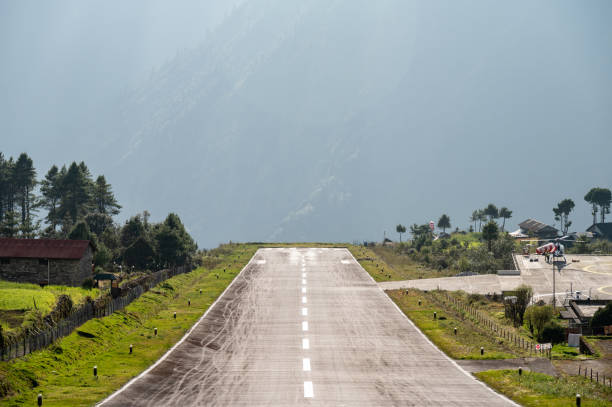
[{"x": 46, "y": 261}]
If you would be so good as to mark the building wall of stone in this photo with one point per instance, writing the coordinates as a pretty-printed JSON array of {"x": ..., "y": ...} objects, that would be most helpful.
[
  {"x": 85, "y": 269},
  {"x": 60, "y": 272}
]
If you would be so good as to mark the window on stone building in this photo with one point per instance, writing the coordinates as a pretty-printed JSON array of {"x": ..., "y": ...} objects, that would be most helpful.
[
  {"x": 5, "y": 261},
  {"x": 42, "y": 262}
]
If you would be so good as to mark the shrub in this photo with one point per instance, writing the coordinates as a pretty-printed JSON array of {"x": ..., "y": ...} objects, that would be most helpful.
[
  {"x": 602, "y": 316},
  {"x": 88, "y": 284},
  {"x": 472, "y": 298},
  {"x": 537, "y": 317},
  {"x": 553, "y": 332},
  {"x": 103, "y": 255}
]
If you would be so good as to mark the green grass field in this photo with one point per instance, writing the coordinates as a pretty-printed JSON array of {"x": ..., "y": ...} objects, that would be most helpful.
[
  {"x": 384, "y": 264},
  {"x": 18, "y": 298},
  {"x": 63, "y": 372},
  {"x": 540, "y": 390},
  {"x": 466, "y": 344}
]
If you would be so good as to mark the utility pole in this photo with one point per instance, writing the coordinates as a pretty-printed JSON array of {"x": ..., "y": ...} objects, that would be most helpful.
[
  {"x": 554, "y": 296},
  {"x": 48, "y": 273}
]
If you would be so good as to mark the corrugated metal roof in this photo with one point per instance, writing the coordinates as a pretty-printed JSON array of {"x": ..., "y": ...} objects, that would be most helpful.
[
  {"x": 534, "y": 226},
  {"x": 43, "y": 248}
]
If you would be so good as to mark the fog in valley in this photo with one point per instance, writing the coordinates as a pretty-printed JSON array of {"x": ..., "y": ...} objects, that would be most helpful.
[{"x": 276, "y": 120}]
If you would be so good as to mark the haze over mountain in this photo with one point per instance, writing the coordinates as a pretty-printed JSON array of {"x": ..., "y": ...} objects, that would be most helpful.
[{"x": 316, "y": 120}]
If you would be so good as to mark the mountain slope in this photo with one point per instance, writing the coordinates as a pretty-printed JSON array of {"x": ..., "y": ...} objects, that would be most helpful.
[{"x": 335, "y": 120}]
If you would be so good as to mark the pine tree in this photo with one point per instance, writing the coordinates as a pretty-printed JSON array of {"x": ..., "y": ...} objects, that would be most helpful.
[
  {"x": 24, "y": 178},
  {"x": 504, "y": 213},
  {"x": 490, "y": 233},
  {"x": 104, "y": 199},
  {"x": 444, "y": 222},
  {"x": 76, "y": 194},
  {"x": 491, "y": 211},
  {"x": 7, "y": 185},
  {"x": 10, "y": 224},
  {"x": 51, "y": 195}
]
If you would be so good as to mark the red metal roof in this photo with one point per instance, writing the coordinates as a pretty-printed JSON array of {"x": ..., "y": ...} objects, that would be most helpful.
[{"x": 43, "y": 248}]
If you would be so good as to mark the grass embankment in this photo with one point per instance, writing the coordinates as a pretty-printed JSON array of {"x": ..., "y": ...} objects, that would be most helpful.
[
  {"x": 537, "y": 389},
  {"x": 470, "y": 337},
  {"x": 17, "y": 299},
  {"x": 63, "y": 373},
  {"x": 384, "y": 264}
]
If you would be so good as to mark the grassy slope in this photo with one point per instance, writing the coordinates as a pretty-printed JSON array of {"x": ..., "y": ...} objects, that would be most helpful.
[
  {"x": 537, "y": 389},
  {"x": 466, "y": 344},
  {"x": 15, "y": 298},
  {"x": 384, "y": 264},
  {"x": 63, "y": 372}
]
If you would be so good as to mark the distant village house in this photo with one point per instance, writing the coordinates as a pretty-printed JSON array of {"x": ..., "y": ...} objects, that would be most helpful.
[
  {"x": 533, "y": 228},
  {"x": 601, "y": 230},
  {"x": 42, "y": 261}
]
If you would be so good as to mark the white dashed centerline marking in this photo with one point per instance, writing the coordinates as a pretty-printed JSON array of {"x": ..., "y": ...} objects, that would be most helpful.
[
  {"x": 304, "y": 325},
  {"x": 303, "y": 275},
  {"x": 304, "y": 300},
  {"x": 304, "y": 311},
  {"x": 304, "y": 281},
  {"x": 308, "y": 390},
  {"x": 306, "y": 364},
  {"x": 303, "y": 290},
  {"x": 305, "y": 344}
]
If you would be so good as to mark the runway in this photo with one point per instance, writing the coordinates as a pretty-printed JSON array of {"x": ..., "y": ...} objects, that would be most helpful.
[{"x": 305, "y": 327}]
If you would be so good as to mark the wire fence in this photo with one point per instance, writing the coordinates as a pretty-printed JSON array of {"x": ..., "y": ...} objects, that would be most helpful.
[
  {"x": 588, "y": 373},
  {"x": 13, "y": 347}
]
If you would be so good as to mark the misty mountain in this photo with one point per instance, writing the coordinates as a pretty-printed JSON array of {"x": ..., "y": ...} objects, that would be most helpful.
[{"x": 336, "y": 120}]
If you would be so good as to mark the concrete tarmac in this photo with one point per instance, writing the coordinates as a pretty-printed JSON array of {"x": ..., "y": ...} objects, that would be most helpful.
[
  {"x": 305, "y": 327},
  {"x": 591, "y": 275}
]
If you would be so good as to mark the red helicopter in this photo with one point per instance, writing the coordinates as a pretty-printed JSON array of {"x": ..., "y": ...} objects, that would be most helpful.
[{"x": 554, "y": 248}]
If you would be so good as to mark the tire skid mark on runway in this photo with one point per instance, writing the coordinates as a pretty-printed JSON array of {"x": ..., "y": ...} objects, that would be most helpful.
[{"x": 209, "y": 365}]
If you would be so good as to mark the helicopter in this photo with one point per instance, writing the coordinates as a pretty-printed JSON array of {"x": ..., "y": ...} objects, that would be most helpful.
[{"x": 554, "y": 248}]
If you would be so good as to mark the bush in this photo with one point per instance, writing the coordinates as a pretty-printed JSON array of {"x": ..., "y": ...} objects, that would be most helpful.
[
  {"x": 537, "y": 316},
  {"x": 88, "y": 284},
  {"x": 602, "y": 317},
  {"x": 553, "y": 332},
  {"x": 103, "y": 255},
  {"x": 474, "y": 298}
]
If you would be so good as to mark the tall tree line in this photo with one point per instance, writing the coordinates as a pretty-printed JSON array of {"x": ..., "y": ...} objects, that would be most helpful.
[{"x": 67, "y": 194}]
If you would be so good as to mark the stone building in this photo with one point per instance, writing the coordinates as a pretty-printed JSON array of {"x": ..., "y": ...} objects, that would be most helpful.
[{"x": 46, "y": 261}]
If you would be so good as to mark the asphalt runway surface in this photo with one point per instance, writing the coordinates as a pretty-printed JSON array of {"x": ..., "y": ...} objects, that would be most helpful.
[
  {"x": 591, "y": 275},
  {"x": 305, "y": 327}
]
